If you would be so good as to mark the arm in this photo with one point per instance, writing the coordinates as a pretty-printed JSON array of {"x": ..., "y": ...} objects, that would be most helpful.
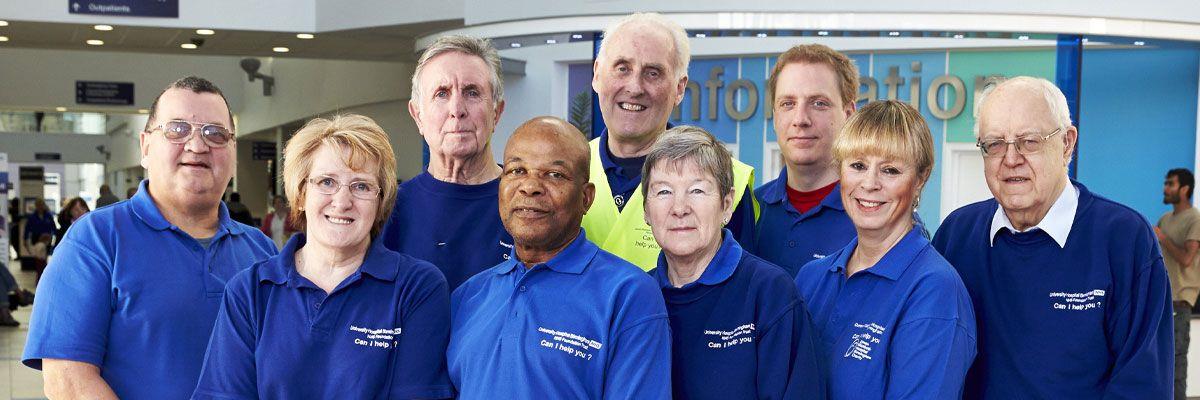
[
  {"x": 928, "y": 359},
  {"x": 641, "y": 361},
  {"x": 419, "y": 360},
  {"x": 66, "y": 379},
  {"x": 1141, "y": 337},
  {"x": 1184, "y": 255},
  {"x": 230, "y": 370},
  {"x": 799, "y": 375}
]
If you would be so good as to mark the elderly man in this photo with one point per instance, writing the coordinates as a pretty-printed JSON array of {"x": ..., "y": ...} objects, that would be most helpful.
[
  {"x": 640, "y": 75},
  {"x": 127, "y": 304},
  {"x": 812, "y": 91},
  {"x": 562, "y": 318},
  {"x": 447, "y": 215},
  {"x": 1069, "y": 287}
]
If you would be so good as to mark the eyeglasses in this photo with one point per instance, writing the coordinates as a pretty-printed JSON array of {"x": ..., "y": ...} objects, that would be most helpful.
[
  {"x": 359, "y": 189},
  {"x": 180, "y": 132},
  {"x": 1027, "y": 144}
]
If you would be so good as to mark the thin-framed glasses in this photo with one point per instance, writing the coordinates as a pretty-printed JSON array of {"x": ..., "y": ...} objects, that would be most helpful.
[
  {"x": 328, "y": 185},
  {"x": 1025, "y": 144},
  {"x": 180, "y": 132}
]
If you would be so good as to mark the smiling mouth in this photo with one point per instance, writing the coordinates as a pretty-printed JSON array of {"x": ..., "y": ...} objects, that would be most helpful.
[
  {"x": 194, "y": 164},
  {"x": 631, "y": 106},
  {"x": 529, "y": 212},
  {"x": 339, "y": 221},
  {"x": 1016, "y": 180},
  {"x": 868, "y": 205}
]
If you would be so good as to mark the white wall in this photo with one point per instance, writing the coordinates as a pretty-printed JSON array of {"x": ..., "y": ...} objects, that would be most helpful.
[
  {"x": 74, "y": 148},
  {"x": 259, "y": 15},
  {"x": 402, "y": 132},
  {"x": 333, "y": 15},
  {"x": 541, "y": 91}
]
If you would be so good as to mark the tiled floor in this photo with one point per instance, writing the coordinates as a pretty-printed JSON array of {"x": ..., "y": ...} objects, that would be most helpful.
[{"x": 18, "y": 382}]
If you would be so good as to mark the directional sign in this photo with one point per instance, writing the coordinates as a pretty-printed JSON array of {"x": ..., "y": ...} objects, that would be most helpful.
[
  {"x": 104, "y": 93},
  {"x": 126, "y": 8}
]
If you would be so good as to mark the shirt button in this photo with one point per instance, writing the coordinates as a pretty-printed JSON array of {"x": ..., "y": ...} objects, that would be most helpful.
[
  {"x": 791, "y": 243},
  {"x": 317, "y": 305},
  {"x": 522, "y": 288}
]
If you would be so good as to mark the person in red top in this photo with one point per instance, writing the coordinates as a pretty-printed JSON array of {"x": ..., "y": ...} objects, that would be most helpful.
[{"x": 277, "y": 225}]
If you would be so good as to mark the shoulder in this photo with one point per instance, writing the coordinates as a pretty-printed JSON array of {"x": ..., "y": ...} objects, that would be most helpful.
[
  {"x": 420, "y": 272},
  {"x": 764, "y": 274},
  {"x": 615, "y": 271},
  {"x": 973, "y": 211},
  {"x": 937, "y": 289},
  {"x": 1112, "y": 213},
  {"x": 257, "y": 239}
]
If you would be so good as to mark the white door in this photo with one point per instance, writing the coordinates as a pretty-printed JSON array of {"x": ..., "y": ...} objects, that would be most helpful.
[{"x": 962, "y": 177}]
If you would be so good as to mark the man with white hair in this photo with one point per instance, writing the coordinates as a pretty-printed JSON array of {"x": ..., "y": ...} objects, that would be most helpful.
[
  {"x": 640, "y": 75},
  {"x": 1069, "y": 288},
  {"x": 447, "y": 215}
]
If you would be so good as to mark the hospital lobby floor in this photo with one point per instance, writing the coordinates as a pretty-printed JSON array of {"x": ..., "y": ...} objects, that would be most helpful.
[{"x": 18, "y": 382}]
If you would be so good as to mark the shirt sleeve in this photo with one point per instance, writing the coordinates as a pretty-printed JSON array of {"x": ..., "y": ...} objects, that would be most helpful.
[
  {"x": 1141, "y": 337},
  {"x": 1193, "y": 232},
  {"x": 419, "y": 361},
  {"x": 929, "y": 358},
  {"x": 742, "y": 223},
  {"x": 229, "y": 370},
  {"x": 74, "y": 306},
  {"x": 641, "y": 361},
  {"x": 787, "y": 358}
]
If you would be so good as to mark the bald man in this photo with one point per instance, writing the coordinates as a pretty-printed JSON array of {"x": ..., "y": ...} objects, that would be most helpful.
[{"x": 560, "y": 318}]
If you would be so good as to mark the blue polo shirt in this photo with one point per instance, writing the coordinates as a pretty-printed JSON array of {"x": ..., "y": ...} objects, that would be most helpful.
[
  {"x": 740, "y": 331},
  {"x": 583, "y": 325},
  {"x": 1088, "y": 320},
  {"x": 790, "y": 239},
  {"x": 133, "y": 294},
  {"x": 36, "y": 225},
  {"x": 902, "y": 328},
  {"x": 624, "y": 176},
  {"x": 455, "y": 227},
  {"x": 381, "y": 334}
]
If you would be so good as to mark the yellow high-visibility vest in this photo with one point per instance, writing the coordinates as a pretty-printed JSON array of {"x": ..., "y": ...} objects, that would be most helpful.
[{"x": 625, "y": 232}]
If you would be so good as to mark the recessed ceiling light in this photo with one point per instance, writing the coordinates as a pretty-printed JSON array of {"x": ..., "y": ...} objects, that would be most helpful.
[
  {"x": 958, "y": 36},
  {"x": 143, "y": 111},
  {"x": 1139, "y": 43},
  {"x": 761, "y": 35},
  {"x": 95, "y": 42},
  {"x": 281, "y": 49},
  {"x": 3, "y": 23},
  {"x": 514, "y": 45},
  {"x": 1023, "y": 37},
  {"x": 551, "y": 41},
  {"x": 205, "y": 32},
  {"x": 576, "y": 36},
  {"x": 823, "y": 33},
  {"x": 3, "y": 38},
  {"x": 103, "y": 27},
  {"x": 60, "y": 109},
  {"x": 893, "y": 33},
  {"x": 305, "y": 36},
  {"x": 189, "y": 46},
  {"x": 701, "y": 35}
]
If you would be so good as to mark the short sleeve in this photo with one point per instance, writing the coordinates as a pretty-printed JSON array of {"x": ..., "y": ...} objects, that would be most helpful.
[
  {"x": 420, "y": 356},
  {"x": 74, "y": 305}
]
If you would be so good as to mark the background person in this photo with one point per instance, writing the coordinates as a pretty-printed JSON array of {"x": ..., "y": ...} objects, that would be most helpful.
[
  {"x": 106, "y": 196},
  {"x": 38, "y": 222},
  {"x": 447, "y": 215},
  {"x": 894, "y": 318},
  {"x": 336, "y": 315},
  {"x": 1070, "y": 288},
  {"x": 71, "y": 212},
  {"x": 278, "y": 224},
  {"x": 238, "y": 211},
  {"x": 710, "y": 284},
  {"x": 1178, "y": 233}
]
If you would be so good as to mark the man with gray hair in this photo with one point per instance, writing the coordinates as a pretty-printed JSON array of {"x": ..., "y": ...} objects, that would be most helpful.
[
  {"x": 447, "y": 215},
  {"x": 1069, "y": 289},
  {"x": 640, "y": 75}
]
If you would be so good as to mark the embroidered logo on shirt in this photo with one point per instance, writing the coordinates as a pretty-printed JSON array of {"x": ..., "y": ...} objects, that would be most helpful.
[
  {"x": 507, "y": 246},
  {"x": 726, "y": 339},
  {"x": 568, "y": 343},
  {"x": 818, "y": 256},
  {"x": 1091, "y": 299},
  {"x": 863, "y": 341},
  {"x": 383, "y": 338}
]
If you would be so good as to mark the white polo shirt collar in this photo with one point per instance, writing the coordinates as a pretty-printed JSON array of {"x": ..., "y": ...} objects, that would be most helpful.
[{"x": 1057, "y": 222}]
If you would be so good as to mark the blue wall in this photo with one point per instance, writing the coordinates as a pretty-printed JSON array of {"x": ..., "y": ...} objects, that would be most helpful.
[{"x": 1137, "y": 120}]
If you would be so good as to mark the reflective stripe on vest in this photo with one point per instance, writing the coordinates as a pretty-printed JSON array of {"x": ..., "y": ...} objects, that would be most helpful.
[{"x": 625, "y": 232}]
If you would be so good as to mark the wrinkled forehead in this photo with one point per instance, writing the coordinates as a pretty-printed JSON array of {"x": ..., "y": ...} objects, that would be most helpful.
[
  {"x": 544, "y": 146},
  {"x": 1015, "y": 111},
  {"x": 640, "y": 43},
  {"x": 456, "y": 67},
  {"x": 186, "y": 105}
]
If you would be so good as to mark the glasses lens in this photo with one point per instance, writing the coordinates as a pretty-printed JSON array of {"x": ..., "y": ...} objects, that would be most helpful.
[
  {"x": 1030, "y": 145},
  {"x": 177, "y": 131},
  {"x": 993, "y": 148},
  {"x": 215, "y": 134},
  {"x": 326, "y": 185},
  {"x": 363, "y": 190}
]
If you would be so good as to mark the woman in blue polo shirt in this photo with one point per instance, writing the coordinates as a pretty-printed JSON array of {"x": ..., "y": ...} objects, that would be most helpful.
[
  {"x": 739, "y": 329},
  {"x": 894, "y": 318},
  {"x": 335, "y": 314}
]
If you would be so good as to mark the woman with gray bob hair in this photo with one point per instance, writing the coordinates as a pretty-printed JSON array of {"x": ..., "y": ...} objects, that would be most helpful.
[{"x": 739, "y": 328}]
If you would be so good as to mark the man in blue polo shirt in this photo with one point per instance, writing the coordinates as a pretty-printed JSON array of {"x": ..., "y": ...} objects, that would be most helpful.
[
  {"x": 127, "y": 304},
  {"x": 562, "y": 319},
  {"x": 447, "y": 214},
  {"x": 1070, "y": 293},
  {"x": 812, "y": 91}
]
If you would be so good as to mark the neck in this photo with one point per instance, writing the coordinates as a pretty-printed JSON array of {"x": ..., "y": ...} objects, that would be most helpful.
[
  {"x": 630, "y": 147},
  {"x": 478, "y": 169},
  {"x": 1025, "y": 219},
  {"x": 807, "y": 178},
  {"x": 872, "y": 245},
  {"x": 197, "y": 219},
  {"x": 682, "y": 270},
  {"x": 314, "y": 260},
  {"x": 532, "y": 255},
  {"x": 1182, "y": 205}
]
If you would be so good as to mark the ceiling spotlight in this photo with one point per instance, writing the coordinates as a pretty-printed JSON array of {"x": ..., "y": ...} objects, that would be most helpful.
[
  {"x": 3, "y": 38},
  {"x": 701, "y": 35},
  {"x": 576, "y": 36},
  {"x": 281, "y": 49},
  {"x": 189, "y": 46},
  {"x": 95, "y": 42},
  {"x": 551, "y": 41},
  {"x": 305, "y": 36},
  {"x": 761, "y": 35},
  {"x": 205, "y": 32},
  {"x": 1023, "y": 37},
  {"x": 958, "y": 36},
  {"x": 103, "y": 28},
  {"x": 1139, "y": 43},
  {"x": 823, "y": 33},
  {"x": 893, "y": 33},
  {"x": 514, "y": 45},
  {"x": 60, "y": 109},
  {"x": 3, "y": 23},
  {"x": 143, "y": 111}
]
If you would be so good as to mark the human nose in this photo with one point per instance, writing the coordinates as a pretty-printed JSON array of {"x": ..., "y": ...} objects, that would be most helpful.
[
  {"x": 870, "y": 180},
  {"x": 1011, "y": 156},
  {"x": 803, "y": 118},
  {"x": 680, "y": 207},
  {"x": 458, "y": 107},
  {"x": 530, "y": 187},
  {"x": 195, "y": 143}
]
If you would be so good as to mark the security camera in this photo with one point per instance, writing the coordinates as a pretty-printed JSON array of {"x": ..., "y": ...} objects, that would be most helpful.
[{"x": 251, "y": 66}]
